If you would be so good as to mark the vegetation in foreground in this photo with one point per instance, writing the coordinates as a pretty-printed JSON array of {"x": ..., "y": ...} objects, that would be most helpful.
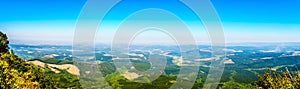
[{"x": 17, "y": 73}]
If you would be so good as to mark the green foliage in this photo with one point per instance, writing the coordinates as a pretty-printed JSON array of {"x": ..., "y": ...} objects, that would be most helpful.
[
  {"x": 198, "y": 84},
  {"x": 114, "y": 79},
  {"x": 15, "y": 73},
  {"x": 232, "y": 84},
  {"x": 63, "y": 79},
  {"x": 65, "y": 62},
  {"x": 236, "y": 85},
  {"x": 284, "y": 80},
  {"x": 107, "y": 68},
  {"x": 141, "y": 66},
  {"x": 117, "y": 81},
  {"x": 49, "y": 60},
  {"x": 3, "y": 43}
]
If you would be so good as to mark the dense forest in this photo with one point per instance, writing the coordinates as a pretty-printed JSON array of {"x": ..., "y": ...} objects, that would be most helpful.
[{"x": 16, "y": 73}]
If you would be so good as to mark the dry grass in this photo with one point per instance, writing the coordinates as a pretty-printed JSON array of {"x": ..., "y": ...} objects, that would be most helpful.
[
  {"x": 72, "y": 69},
  {"x": 130, "y": 76}
]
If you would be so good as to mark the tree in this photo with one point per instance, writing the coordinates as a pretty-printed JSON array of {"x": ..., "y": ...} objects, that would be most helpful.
[
  {"x": 3, "y": 43},
  {"x": 273, "y": 80},
  {"x": 16, "y": 74}
]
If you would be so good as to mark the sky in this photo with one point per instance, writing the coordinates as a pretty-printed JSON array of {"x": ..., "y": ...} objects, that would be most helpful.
[{"x": 54, "y": 21}]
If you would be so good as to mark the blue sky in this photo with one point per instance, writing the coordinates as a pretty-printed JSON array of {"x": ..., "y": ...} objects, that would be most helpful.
[{"x": 53, "y": 21}]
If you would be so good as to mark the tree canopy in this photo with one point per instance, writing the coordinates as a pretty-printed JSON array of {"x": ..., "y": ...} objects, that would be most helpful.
[
  {"x": 3, "y": 43},
  {"x": 16, "y": 73}
]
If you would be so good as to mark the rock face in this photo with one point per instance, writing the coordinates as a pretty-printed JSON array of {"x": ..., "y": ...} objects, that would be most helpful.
[{"x": 72, "y": 69}]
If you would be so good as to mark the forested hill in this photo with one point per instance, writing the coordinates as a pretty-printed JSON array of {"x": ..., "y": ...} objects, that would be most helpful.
[{"x": 18, "y": 74}]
